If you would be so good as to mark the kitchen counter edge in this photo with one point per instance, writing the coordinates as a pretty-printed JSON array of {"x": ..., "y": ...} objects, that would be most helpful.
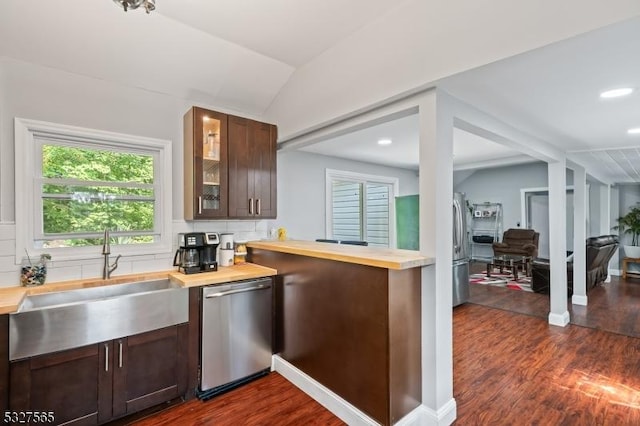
[
  {"x": 380, "y": 257},
  {"x": 12, "y": 297}
]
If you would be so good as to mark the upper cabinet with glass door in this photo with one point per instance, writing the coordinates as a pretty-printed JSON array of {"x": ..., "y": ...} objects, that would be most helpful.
[{"x": 205, "y": 164}]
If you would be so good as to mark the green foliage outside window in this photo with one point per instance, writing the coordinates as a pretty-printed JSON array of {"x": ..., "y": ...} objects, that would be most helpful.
[{"x": 88, "y": 190}]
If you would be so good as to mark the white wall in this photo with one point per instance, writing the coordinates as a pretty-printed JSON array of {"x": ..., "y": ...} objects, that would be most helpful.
[
  {"x": 502, "y": 185},
  {"x": 421, "y": 41},
  {"x": 34, "y": 92},
  {"x": 301, "y": 189}
]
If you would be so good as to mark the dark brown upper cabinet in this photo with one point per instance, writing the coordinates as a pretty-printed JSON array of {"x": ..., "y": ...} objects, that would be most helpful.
[
  {"x": 252, "y": 169},
  {"x": 244, "y": 186},
  {"x": 205, "y": 164}
]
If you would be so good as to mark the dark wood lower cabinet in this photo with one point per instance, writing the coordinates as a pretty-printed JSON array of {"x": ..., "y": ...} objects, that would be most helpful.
[
  {"x": 97, "y": 383},
  {"x": 149, "y": 369},
  {"x": 4, "y": 363},
  {"x": 75, "y": 385}
]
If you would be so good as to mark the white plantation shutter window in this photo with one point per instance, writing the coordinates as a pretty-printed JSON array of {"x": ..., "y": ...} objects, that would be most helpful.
[{"x": 361, "y": 207}]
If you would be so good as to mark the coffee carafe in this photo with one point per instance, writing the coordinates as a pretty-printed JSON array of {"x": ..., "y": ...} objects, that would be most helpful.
[{"x": 190, "y": 257}]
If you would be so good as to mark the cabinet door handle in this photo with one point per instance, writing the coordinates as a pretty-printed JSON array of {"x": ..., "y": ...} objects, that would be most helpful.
[
  {"x": 106, "y": 357},
  {"x": 258, "y": 209},
  {"x": 120, "y": 353},
  {"x": 200, "y": 204},
  {"x": 250, "y": 205}
]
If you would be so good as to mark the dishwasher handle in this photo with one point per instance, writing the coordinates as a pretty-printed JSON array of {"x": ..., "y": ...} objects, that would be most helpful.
[{"x": 240, "y": 290}]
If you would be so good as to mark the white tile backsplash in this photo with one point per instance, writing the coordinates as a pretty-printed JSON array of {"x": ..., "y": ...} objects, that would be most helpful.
[
  {"x": 7, "y": 231},
  {"x": 64, "y": 274},
  {"x": 8, "y": 248},
  {"x": 241, "y": 226},
  {"x": 92, "y": 268},
  {"x": 151, "y": 266},
  {"x": 9, "y": 279},
  {"x": 8, "y": 263},
  {"x": 210, "y": 226}
]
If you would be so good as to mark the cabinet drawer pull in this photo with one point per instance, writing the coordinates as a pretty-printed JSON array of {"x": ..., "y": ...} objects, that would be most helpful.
[
  {"x": 106, "y": 357},
  {"x": 120, "y": 353},
  {"x": 258, "y": 209},
  {"x": 200, "y": 204},
  {"x": 250, "y": 205}
]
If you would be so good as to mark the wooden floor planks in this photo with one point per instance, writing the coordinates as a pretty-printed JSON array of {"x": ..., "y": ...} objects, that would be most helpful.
[
  {"x": 513, "y": 369},
  {"x": 270, "y": 400}
]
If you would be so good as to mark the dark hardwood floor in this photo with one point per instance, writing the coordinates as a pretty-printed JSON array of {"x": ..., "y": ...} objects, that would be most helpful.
[
  {"x": 510, "y": 367},
  {"x": 514, "y": 369},
  {"x": 270, "y": 400},
  {"x": 612, "y": 306}
]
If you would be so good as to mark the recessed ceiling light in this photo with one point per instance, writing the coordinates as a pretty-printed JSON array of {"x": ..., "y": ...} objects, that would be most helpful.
[
  {"x": 616, "y": 93},
  {"x": 384, "y": 142},
  {"x": 634, "y": 131}
]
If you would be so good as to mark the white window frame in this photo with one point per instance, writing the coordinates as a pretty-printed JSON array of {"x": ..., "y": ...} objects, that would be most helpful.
[
  {"x": 27, "y": 194},
  {"x": 331, "y": 175}
]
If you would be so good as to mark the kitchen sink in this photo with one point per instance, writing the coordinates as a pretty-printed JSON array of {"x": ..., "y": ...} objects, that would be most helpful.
[
  {"x": 61, "y": 298},
  {"x": 69, "y": 319}
]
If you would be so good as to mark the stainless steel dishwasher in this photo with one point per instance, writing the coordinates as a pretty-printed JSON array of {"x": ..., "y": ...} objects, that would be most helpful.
[{"x": 236, "y": 334}]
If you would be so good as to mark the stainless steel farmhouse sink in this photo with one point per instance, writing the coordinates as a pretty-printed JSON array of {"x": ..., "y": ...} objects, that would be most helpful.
[{"x": 62, "y": 320}]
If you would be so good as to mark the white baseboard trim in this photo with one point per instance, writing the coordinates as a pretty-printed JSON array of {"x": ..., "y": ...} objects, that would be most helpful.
[
  {"x": 327, "y": 398},
  {"x": 560, "y": 320},
  {"x": 579, "y": 300},
  {"x": 425, "y": 416},
  {"x": 420, "y": 416}
]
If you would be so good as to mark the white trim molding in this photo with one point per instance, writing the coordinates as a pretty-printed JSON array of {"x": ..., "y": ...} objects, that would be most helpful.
[
  {"x": 559, "y": 319},
  {"x": 26, "y": 133},
  {"x": 323, "y": 395}
]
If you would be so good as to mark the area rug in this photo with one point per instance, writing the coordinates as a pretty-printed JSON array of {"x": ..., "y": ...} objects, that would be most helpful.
[{"x": 502, "y": 280}]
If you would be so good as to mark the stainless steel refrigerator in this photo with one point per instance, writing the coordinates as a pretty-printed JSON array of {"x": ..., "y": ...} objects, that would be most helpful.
[
  {"x": 460, "y": 251},
  {"x": 407, "y": 228}
]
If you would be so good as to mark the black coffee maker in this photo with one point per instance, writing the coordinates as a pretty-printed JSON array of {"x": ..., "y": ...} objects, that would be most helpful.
[
  {"x": 208, "y": 261},
  {"x": 197, "y": 252}
]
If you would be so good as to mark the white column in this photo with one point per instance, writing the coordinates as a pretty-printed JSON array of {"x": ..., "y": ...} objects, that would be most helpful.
[
  {"x": 558, "y": 315},
  {"x": 436, "y": 222},
  {"x": 579, "y": 236},
  {"x": 605, "y": 215},
  {"x": 605, "y": 209},
  {"x": 615, "y": 264}
]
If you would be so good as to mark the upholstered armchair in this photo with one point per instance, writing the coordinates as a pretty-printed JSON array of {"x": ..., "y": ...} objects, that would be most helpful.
[
  {"x": 600, "y": 250},
  {"x": 523, "y": 242}
]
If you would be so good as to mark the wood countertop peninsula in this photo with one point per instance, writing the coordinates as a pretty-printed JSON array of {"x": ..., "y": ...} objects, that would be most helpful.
[
  {"x": 11, "y": 297},
  {"x": 381, "y": 257}
]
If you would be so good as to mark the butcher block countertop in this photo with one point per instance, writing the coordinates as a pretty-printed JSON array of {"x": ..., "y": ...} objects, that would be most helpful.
[
  {"x": 244, "y": 271},
  {"x": 11, "y": 297},
  {"x": 380, "y": 257}
]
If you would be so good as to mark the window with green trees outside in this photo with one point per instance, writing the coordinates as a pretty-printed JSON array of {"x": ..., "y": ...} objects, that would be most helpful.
[{"x": 86, "y": 189}]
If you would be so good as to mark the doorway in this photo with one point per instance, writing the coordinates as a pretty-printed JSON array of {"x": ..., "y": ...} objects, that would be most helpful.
[{"x": 535, "y": 215}]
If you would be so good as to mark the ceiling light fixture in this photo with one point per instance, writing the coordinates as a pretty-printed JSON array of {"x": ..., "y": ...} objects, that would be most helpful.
[
  {"x": 149, "y": 5},
  {"x": 384, "y": 142},
  {"x": 634, "y": 131},
  {"x": 616, "y": 93}
]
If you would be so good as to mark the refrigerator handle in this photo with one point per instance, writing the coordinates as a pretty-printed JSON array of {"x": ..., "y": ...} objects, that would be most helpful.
[{"x": 456, "y": 227}]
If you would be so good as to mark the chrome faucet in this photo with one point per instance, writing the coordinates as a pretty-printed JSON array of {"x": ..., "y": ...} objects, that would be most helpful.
[{"x": 106, "y": 251}]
